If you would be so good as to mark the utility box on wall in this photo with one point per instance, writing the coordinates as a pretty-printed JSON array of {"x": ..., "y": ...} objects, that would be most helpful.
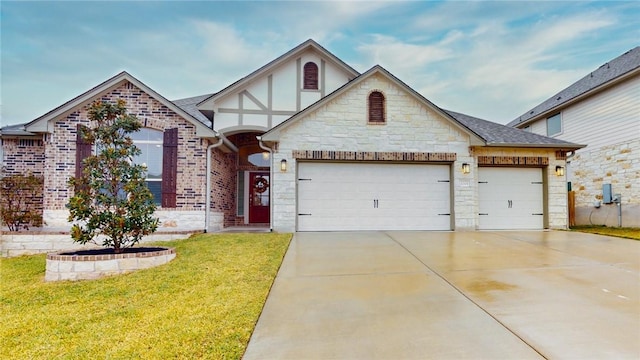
[{"x": 607, "y": 198}]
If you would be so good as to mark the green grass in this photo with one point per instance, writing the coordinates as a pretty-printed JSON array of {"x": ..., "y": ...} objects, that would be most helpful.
[
  {"x": 629, "y": 233},
  {"x": 203, "y": 304}
]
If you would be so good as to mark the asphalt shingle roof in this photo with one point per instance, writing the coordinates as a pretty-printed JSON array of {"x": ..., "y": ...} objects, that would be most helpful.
[
  {"x": 609, "y": 71},
  {"x": 189, "y": 106},
  {"x": 14, "y": 130},
  {"x": 497, "y": 134}
]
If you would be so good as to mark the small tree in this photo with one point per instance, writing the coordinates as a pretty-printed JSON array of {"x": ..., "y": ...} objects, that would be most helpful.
[{"x": 111, "y": 197}]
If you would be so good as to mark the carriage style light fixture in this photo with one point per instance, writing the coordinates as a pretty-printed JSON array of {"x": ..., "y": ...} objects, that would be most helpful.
[
  {"x": 283, "y": 165},
  {"x": 559, "y": 171},
  {"x": 466, "y": 168}
]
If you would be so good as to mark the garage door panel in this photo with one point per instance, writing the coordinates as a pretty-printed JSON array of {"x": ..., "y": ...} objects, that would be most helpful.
[
  {"x": 366, "y": 196},
  {"x": 510, "y": 198}
]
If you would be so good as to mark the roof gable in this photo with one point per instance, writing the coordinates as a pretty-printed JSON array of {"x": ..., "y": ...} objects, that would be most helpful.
[
  {"x": 41, "y": 124},
  {"x": 618, "y": 69},
  {"x": 274, "y": 133},
  {"x": 286, "y": 57}
]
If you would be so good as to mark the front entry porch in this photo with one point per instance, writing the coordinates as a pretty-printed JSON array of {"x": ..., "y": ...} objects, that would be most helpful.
[{"x": 253, "y": 183}]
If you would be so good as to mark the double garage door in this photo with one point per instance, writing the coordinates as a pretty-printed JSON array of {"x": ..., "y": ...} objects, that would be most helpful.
[{"x": 370, "y": 196}]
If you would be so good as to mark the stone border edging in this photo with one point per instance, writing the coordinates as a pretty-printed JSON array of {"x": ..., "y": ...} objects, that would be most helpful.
[{"x": 86, "y": 267}]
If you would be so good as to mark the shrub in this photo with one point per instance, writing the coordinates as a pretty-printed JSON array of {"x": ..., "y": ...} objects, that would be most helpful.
[{"x": 19, "y": 197}]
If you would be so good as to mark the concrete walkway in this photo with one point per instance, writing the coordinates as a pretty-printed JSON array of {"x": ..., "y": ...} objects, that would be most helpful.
[{"x": 453, "y": 295}]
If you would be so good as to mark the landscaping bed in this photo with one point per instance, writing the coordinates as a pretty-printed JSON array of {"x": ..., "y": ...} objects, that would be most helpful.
[
  {"x": 203, "y": 304},
  {"x": 629, "y": 233},
  {"x": 97, "y": 263}
]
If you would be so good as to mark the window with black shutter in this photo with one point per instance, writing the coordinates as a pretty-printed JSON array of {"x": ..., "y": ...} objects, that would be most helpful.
[
  {"x": 376, "y": 107},
  {"x": 83, "y": 150},
  {"x": 310, "y": 76},
  {"x": 169, "y": 168}
]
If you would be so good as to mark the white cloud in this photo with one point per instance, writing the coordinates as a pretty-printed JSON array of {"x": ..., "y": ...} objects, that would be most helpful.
[
  {"x": 489, "y": 59},
  {"x": 492, "y": 69}
]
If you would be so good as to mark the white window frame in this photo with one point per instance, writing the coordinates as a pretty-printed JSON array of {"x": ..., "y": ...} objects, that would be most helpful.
[{"x": 559, "y": 115}]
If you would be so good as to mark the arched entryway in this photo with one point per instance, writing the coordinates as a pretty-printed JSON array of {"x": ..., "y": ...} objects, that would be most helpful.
[{"x": 253, "y": 180}]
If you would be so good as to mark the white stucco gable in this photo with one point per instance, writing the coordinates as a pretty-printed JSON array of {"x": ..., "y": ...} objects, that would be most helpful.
[{"x": 276, "y": 91}]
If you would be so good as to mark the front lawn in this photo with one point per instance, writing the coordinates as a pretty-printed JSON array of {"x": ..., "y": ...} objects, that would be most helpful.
[
  {"x": 203, "y": 304},
  {"x": 629, "y": 233}
]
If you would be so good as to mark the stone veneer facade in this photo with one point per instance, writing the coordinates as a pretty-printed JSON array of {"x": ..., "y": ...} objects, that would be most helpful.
[
  {"x": 555, "y": 187},
  {"x": 54, "y": 158},
  {"x": 618, "y": 165},
  {"x": 341, "y": 124}
]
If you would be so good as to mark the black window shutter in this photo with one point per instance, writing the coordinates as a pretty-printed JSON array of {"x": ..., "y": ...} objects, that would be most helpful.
[
  {"x": 310, "y": 76},
  {"x": 169, "y": 168},
  {"x": 83, "y": 150},
  {"x": 376, "y": 107}
]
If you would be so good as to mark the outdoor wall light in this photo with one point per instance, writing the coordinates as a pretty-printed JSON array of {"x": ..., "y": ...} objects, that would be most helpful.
[
  {"x": 466, "y": 168},
  {"x": 559, "y": 171},
  {"x": 283, "y": 165}
]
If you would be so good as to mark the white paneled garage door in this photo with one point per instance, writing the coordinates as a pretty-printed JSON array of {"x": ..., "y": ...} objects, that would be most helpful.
[
  {"x": 510, "y": 198},
  {"x": 367, "y": 196}
]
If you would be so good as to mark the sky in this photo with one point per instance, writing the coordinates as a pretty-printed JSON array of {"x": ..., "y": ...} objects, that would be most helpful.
[{"x": 490, "y": 59}]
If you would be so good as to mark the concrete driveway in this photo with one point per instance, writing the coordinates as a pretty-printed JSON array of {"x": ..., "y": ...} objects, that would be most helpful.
[{"x": 453, "y": 295}]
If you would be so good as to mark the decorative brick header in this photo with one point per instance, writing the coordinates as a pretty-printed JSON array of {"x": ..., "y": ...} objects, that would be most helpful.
[
  {"x": 373, "y": 156},
  {"x": 533, "y": 161},
  {"x": 561, "y": 155}
]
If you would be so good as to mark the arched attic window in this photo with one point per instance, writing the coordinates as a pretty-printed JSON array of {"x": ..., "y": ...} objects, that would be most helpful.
[
  {"x": 310, "y": 76},
  {"x": 376, "y": 108}
]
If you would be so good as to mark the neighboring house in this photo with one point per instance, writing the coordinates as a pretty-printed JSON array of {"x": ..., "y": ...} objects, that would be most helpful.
[
  {"x": 601, "y": 110},
  {"x": 307, "y": 143}
]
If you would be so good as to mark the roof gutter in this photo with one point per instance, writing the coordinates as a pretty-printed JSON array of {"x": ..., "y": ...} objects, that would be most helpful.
[
  {"x": 207, "y": 210},
  {"x": 540, "y": 146},
  {"x": 227, "y": 142}
]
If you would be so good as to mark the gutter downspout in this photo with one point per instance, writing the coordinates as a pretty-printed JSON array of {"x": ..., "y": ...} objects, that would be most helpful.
[
  {"x": 207, "y": 210},
  {"x": 263, "y": 147}
]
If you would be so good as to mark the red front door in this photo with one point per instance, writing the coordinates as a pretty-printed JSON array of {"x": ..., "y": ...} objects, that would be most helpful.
[{"x": 259, "y": 191}]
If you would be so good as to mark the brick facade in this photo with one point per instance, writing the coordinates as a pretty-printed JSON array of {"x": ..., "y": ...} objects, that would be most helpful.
[
  {"x": 55, "y": 160},
  {"x": 23, "y": 155}
]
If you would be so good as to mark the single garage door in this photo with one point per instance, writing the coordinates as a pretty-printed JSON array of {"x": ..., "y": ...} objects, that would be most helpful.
[
  {"x": 510, "y": 198},
  {"x": 368, "y": 196}
]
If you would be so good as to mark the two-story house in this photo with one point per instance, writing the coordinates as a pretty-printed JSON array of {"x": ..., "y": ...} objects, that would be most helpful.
[{"x": 601, "y": 110}]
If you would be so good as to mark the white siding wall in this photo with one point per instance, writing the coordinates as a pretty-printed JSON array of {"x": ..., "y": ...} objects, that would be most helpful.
[
  {"x": 539, "y": 127},
  {"x": 610, "y": 117},
  {"x": 607, "y": 118}
]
